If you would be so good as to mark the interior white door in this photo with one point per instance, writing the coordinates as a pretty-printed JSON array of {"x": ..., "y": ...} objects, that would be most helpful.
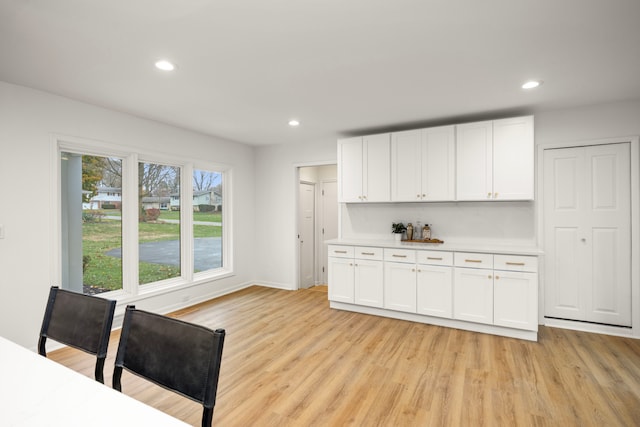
[
  {"x": 329, "y": 220},
  {"x": 587, "y": 232},
  {"x": 306, "y": 238}
]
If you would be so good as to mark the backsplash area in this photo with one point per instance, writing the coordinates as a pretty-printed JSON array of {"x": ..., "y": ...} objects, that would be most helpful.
[{"x": 494, "y": 222}]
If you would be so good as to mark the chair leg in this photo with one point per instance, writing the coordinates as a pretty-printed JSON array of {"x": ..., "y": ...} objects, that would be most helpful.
[
  {"x": 117, "y": 374},
  {"x": 207, "y": 417},
  {"x": 100, "y": 369},
  {"x": 42, "y": 348}
]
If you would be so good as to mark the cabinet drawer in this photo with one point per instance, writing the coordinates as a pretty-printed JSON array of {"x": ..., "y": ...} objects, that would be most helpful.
[
  {"x": 340, "y": 251},
  {"x": 435, "y": 257},
  {"x": 516, "y": 263},
  {"x": 363, "y": 252},
  {"x": 400, "y": 255},
  {"x": 473, "y": 260}
]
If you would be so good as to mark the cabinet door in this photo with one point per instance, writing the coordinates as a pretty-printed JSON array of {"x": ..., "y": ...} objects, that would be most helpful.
[
  {"x": 438, "y": 164},
  {"x": 400, "y": 286},
  {"x": 513, "y": 154},
  {"x": 406, "y": 166},
  {"x": 515, "y": 303},
  {"x": 350, "y": 170},
  {"x": 474, "y": 161},
  {"x": 369, "y": 282},
  {"x": 473, "y": 295},
  {"x": 434, "y": 291},
  {"x": 376, "y": 172},
  {"x": 341, "y": 279}
]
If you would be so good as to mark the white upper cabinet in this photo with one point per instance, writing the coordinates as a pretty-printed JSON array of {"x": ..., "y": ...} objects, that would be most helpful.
[
  {"x": 513, "y": 154},
  {"x": 439, "y": 163},
  {"x": 495, "y": 160},
  {"x": 364, "y": 169},
  {"x": 489, "y": 160},
  {"x": 423, "y": 165},
  {"x": 406, "y": 165},
  {"x": 474, "y": 161}
]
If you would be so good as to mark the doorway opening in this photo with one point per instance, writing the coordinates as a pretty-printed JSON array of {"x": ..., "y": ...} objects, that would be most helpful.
[{"x": 317, "y": 217}]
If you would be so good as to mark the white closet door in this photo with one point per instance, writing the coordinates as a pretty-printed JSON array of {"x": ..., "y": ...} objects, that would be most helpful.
[{"x": 587, "y": 216}]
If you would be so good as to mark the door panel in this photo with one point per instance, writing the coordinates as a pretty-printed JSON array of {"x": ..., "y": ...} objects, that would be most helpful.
[
  {"x": 306, "y": 233},
  {"x": 587, "y": 216},
  {"x": 567, "y": 267}
]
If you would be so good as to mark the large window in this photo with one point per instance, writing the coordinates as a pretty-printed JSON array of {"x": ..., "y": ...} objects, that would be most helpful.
[
  {"x": 91, "y": 223},
  {"x": 128, "y": 225},
  {"x": 207, "y": 220},
  {"x": 158, "y": 227}
]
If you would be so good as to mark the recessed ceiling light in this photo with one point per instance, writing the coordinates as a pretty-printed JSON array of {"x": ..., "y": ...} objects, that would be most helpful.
[
  {"x": 165, "y": 65},
  {"x": 294, "y": 123},
  {"x": 531, "y": 84}
]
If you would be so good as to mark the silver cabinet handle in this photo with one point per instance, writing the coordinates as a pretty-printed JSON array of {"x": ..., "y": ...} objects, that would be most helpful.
[
  {"x": 399, "y": 256},
  {"x": 472, "y": 260},
  {"x": 340, "y": 252},
  {"x": 367, "y": 253},
  {"x": 515, "y": 263},
  {"x": 434, "y": 258}
]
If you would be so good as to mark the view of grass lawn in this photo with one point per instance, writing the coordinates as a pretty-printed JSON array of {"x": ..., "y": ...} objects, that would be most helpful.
[{"x": 104, "y": 271}]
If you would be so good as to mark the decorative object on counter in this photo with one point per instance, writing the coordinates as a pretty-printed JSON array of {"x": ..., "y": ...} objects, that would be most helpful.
[
  {"x": 397, "y": 228},
  {"x": 409, "y": 231},
  {"x": 426, "y": 241},
  {"x": 426, "y": 232},
  {"x": 417, "y": 231}
]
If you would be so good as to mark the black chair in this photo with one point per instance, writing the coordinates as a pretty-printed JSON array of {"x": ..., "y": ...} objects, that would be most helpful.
[
  {"x": 177, "y": 355},
  {"x": 79, "y": 321}
]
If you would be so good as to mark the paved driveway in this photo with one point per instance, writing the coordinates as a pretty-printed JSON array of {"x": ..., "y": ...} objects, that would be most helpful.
[{"x": 207, "y": 252}]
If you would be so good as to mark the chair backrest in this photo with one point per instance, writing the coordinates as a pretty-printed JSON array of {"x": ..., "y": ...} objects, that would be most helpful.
[
  {"x": 79, "y": 321},
  {"x": 177, "y": 355}
]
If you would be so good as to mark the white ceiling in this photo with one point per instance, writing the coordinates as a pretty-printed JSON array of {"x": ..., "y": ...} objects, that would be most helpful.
[{"x": 341, "y": 67}]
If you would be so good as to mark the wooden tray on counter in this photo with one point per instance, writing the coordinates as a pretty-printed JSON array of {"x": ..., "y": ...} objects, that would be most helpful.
[{"x": 425, "y": 241}]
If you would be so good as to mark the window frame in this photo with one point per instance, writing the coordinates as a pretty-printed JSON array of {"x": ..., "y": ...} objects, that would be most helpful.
[{"x": 131, "y": 288}]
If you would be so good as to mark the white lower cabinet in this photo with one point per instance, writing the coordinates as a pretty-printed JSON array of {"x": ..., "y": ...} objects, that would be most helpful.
[
  {"x": 368, "y": 282},
  {"x": 400, "y": 286},
  {"x": 498, "y": 293},
  {"x": 434, "y": 291},
  {"x": 356, "y": 275},
  {"x": 515, "y": 292},
  {"x": 473, "y": 295},
  {"x": 341, "y": 280}
]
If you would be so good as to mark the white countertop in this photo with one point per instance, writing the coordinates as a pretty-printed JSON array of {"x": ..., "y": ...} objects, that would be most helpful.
[
  {"x": 37, "y": 391},
  {"x": 491, "y": 247}
]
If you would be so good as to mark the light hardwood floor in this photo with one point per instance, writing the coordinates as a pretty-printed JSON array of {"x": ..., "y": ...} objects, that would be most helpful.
[{"x": 290, "y": 360}]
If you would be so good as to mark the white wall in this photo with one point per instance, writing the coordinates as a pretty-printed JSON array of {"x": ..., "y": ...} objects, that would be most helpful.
[
  {"x": 589, "y": 122},
  {"x": 276, "y": 207},
  {"x": 501, "y": 222},
  {"x": 28, "y": 118}
]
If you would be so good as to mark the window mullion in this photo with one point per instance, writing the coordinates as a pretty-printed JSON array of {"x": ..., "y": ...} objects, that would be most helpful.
[
  {"x": 186, "y": 219},
  {"x": 130, "y": 251}
]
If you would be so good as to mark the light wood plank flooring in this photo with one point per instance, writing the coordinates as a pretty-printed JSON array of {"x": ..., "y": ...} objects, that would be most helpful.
[{"x": 290, "y": 360}]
